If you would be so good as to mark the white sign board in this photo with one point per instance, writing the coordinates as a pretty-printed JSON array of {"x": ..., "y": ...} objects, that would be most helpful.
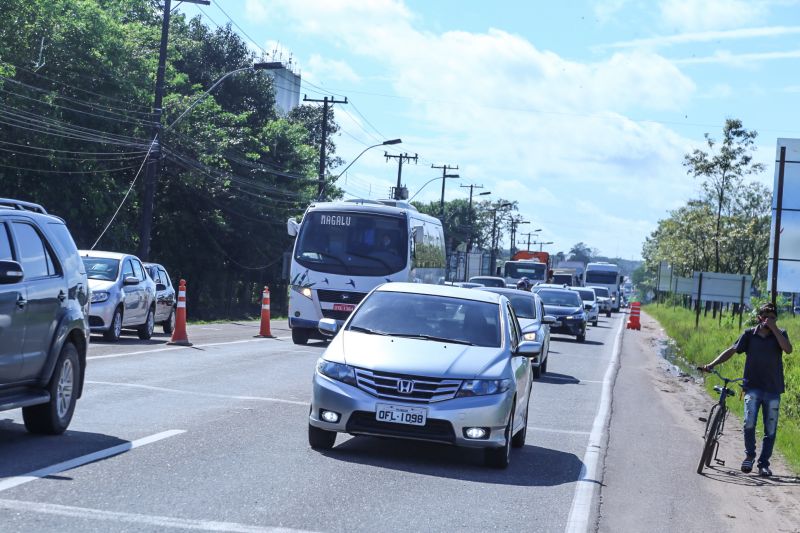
[
  {"x": 682, "y": 285},
  {"x": 664, "y": 275},
  {"x": 726, "y": 288},
  {"x": 789, "y": 252}
]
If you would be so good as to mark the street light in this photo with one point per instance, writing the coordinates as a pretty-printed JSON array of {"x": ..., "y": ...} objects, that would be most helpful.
[
  {"x": 493, "y": 256},
  {"x": 431, "y": 181},
  {"x": 384, "y": 143},
  {"x": 514, "y": 223},
  {"x": 542, "y": 243}
]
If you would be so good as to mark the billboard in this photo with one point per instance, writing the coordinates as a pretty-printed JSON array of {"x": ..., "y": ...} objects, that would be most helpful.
[
  {"x": 664, "y": 276},
  {"x": 725, "y": 288},
  {"x": 789, "y": 251},
  {"x": 682, "y": 285}
]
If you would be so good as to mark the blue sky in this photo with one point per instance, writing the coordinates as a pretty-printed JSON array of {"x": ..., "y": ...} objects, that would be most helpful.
[{"x": 581, "y": 110}]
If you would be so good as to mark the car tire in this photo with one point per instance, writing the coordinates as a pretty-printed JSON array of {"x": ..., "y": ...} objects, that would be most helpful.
[
  {"x": 581, "y": 337},
  {"x": 536, "y": 371},
  {"x": 518, "y": 440},
  {"x": 543, "y": 366},
  {"x": 500, "y": 457},
  {"x": 320, "y": 439},
  {"x": 300, "y": 335},
  {"x": 594, "y": 323},
  {"x": 145, "y": 331},
  {"x": 53, "y": 417},
  {"x": 114, "y": 331},
  {"x": 169, "y": 324},
  {"x": 608, "y": 314}
]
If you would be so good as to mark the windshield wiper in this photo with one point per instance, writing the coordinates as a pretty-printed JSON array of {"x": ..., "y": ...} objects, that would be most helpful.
[
  {"x": 432, "y": 338},
  {"x": 326, "y": 254},
  {"x": 384, "y": 263},
  {"x": 362, "y": 329}
]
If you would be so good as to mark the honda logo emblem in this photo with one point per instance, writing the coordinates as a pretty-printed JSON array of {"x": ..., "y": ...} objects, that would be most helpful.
[{"x": 405, "y": 386}]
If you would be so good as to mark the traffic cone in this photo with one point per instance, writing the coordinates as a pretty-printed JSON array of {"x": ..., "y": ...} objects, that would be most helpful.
[
  {"x": 265, "y": 331},
  {"x": 633, "y": 320},
  {"x": 179, "y": 336}
]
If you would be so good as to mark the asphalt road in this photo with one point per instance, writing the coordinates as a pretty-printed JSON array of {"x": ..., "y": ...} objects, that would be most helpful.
[{"x": 213, "y": 437}]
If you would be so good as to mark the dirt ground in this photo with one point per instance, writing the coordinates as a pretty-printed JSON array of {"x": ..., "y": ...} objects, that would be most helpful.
[{"x": 748, "y": 502}]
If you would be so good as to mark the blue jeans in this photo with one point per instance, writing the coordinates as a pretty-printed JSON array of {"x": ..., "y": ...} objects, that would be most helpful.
[{"x": 768, "y": 403}]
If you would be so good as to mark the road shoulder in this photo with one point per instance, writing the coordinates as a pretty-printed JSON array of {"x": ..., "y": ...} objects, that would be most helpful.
[{"x": 655, "y": 439}]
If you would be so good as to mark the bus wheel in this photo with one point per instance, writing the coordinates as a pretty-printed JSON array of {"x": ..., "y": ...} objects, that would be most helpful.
[{"x": 299, "y": 335}]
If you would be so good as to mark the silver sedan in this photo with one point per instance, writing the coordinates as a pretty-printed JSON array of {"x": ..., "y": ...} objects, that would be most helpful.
[{"x": 426, "y": 362}]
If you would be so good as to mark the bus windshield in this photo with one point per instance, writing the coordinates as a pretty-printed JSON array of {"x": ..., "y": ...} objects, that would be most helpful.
[
  {"x": 601, "y": 276},
  {"x": 526, "y": 269},
  {"x": 354, "y": 244}
]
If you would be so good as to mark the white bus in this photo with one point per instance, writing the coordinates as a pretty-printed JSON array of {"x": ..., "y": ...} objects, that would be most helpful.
[
  {"x": 605, "y": 275},
  {"x": 345, "y": 249}
]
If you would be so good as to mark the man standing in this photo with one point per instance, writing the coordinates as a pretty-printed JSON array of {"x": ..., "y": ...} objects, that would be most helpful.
[{"x": 764, "y": 346}]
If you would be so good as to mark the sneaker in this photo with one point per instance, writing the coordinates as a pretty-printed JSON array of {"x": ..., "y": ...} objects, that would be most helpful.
[
  {"x": 764, "y": 471},
  {"x": 747, "y": 465}
]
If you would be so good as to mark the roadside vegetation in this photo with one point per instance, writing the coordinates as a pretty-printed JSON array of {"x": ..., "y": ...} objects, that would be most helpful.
[{"x": 701, "y": 345}]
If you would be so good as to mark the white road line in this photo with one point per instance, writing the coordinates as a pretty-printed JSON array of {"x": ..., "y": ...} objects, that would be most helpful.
[
  {"x": 197, "y": 393},
  {"x": 551, "y": 430},
  {"x": 578, "y": 521},
  {"x": 15, "y": 481},
  {"x": 156, "y": 350},
  {"x": 159, "y": 522}
]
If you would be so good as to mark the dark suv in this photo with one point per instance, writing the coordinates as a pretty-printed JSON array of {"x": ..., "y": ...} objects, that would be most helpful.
[{"x": 44, "y": 309}]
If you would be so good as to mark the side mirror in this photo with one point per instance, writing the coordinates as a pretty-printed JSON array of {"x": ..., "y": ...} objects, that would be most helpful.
[
  {"x": 130, "y": 280},
  {"x": 528, "y": 349},
  {"x": 328, "y": 327},
  {"x": 548, "y": 319},
  {"x": 161, "y": 287},
  {"x": 10, "y": 272},
  {"x": 292, "y": 227}
]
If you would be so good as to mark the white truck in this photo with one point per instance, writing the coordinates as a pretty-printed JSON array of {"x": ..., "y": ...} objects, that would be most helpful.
[{"x": 605, "y": 275}]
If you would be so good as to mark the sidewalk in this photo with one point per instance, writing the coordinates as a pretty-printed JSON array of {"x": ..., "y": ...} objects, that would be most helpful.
[{"x": 655, "y": 439}]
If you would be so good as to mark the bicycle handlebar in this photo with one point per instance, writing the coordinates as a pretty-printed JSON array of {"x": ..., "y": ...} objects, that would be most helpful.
[{"x": 720, "y": 376}]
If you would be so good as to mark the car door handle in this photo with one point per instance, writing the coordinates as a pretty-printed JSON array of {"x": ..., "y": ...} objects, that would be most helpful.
[
  {"x": 21, "y": 302},
  {"x": 62, "y": 296}
]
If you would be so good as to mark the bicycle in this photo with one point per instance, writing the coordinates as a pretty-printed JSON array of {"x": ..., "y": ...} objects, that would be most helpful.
[{"x": 715, "y": 422}]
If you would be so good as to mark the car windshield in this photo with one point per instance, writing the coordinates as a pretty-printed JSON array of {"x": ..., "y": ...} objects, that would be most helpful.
[
  {"x": 425, "y": 316},
  {"x": 601, "y": 276},
  {"x": 586, "y": 295},
  {"x": 525, "y": 269},
  {"x": 489, "y": 282},
  {"x": 560, "y": 298},
  {"x": 523, "y": 305},
  {"x": 601, "y": 292},
  {"x": 102, "y": 268},
  {"x": 359, "y": 244}
]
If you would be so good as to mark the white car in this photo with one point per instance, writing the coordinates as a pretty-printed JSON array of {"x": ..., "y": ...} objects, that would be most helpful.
[{"x": 589, "y": 303}]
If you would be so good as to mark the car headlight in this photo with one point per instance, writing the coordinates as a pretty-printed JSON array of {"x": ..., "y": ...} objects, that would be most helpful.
[
  {"x": 529, "y": 336},
  {"x": 99, "y": 296},
  {"x": 337, "y": 371},
  {"x": 483, "y": 387}
]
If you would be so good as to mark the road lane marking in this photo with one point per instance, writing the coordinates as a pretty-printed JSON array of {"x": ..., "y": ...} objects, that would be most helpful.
[
  {"x": 552, "y": 430},
  {"x": 197, "y": 393},
  {"x": 156, "y": 350},
  {"x": 159, "y": 522},
  {"x": 578, "y": 521},
  {"x": 16, "y": 481}
]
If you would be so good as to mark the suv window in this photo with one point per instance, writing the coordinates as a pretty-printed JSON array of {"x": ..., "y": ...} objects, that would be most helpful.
[
  {"x": 5, "y": 244},
  {"x": 33, "y": 254},
  {"x": 154, "y": 273},
  {"x": 127, "y": 269},
  {"x": 164, "y": 277},
  {"x": 65, "y": 248},
  {"x": 139, "y": 270}
]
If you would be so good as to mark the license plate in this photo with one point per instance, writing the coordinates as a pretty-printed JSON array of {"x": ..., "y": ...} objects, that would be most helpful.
[
  {"x": 401, "y": 414},
  {"x": 343, "y": 307}
]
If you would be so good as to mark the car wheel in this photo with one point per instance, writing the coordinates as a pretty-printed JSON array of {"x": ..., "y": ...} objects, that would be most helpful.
[
  {"x": 608, "y": 313},
  {"x": 543, "y": 365},
  {"x": 320, "y": 439},
  {"x": 299, "y": 336},
  {"x": 115, "y": 329},
  {"x": 581, "y": 337},
  {"x": 594, "y": 322},
  {"x": 536, "y": 371},
  {"x": 53, "y": 417},
  {"x": 146, "y": 330},
  {"x": 169, "y": 324},
  {"x": 518, "y": 440},
  {"x": 500, "y": 457}
]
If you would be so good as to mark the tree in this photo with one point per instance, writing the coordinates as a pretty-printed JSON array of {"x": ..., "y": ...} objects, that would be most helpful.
[
  {"x": 722, "y": 172},
  {"x": 582, "y": 252}
]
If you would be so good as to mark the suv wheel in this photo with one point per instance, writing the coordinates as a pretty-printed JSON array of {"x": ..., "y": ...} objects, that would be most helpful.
[
  {"x": 146, "y": 329},
  {"x": 169, "y": 324},
  {"x": 115, "y": 329},
  {"x": 54, "y": 416}
]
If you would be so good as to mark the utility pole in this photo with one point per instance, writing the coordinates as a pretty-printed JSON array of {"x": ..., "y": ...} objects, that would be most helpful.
[
  {"x": 471, "y": 221},
  {"x": 528, "y": 235},
  {"x": 153, "y": 165},
  {"x": 325, "y": 103},
  {"x": 445, "y": 175},
  {"x": 400, "y": 158},
  {"x": 515, "y": 221},
  {"x": 495, "y": 237}
]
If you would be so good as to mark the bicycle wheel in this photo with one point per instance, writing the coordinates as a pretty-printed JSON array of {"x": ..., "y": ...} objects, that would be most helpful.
[{"x": 710, "y": 443}]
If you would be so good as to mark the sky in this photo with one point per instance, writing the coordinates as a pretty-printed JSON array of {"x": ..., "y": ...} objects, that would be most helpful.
[{"x": 581, "y": 111}]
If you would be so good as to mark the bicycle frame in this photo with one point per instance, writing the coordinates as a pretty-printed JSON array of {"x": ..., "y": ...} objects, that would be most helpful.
[{"x": 718, "y": 411}]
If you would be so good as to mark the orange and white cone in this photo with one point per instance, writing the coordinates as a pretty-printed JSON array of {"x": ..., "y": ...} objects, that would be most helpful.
[
  {"x": 633, "y": 320},
  {"x": 179, "y": 336},
  {"x": 265, "y": 329}
]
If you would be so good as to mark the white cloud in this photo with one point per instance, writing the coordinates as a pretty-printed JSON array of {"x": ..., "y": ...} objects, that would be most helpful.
[
  {"x": 256, "y": 10},
  {"x": 605, "y": 10},
  {"x": 706, "y": 36},
  {"x": 331, "y": 69},
  {"x": 724, "y": 57},
  {"x": 702, "y": 15}
]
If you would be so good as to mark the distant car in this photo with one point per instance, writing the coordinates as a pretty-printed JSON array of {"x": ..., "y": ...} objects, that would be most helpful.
[
  {"x": 534, "y": 323},
  {"x": 425, "y": 362},
  {"x": 467, "y": 285},
  {"x": 488, "y": 281},
  {"x": 44, "y": 326},
  {"x": 123, "y": 294},
  {"x": 603, "y": 299},
  {"x": 590, "y": 304},
  {"x": 567, "y": 308},
  {"x": 166, "y": 299}
]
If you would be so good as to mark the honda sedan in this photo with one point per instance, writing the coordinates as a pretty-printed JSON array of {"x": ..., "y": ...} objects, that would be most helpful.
[{"x": 426, "y": 362}]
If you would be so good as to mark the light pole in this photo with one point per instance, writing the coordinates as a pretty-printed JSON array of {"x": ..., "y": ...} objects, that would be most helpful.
[
  {"x": 540, "y": 243},
  {"x": 384, "y": 143},
  {"x": 529, "y": 235},
  {"x": 515, "y": 221},
  {"x": 430, "y": 181},
  {"x": 472, "y": 216},
  {"x": 493, "y": 253}
]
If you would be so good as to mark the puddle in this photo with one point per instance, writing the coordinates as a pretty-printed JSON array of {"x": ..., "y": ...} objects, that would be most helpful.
[{"x": 678, "y": 366}]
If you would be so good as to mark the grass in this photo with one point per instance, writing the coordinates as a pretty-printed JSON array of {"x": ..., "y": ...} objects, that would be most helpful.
[{"x": 700, "y": 346}]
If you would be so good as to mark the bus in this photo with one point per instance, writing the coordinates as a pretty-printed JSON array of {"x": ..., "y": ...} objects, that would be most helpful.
[
  {"x": 605, "y": 275},
  {"x": 345, "y": 249},
  {"x": 524, "y": 268}
]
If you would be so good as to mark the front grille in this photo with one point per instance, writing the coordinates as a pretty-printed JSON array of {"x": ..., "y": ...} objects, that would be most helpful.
[
  {"x": 337, "y": 315},
  {"x": 426, "y": 390},
  {"x": 340, "y": 297},
  {"x": 364, "y": 422},
  {"x": 96, "y": 322}
]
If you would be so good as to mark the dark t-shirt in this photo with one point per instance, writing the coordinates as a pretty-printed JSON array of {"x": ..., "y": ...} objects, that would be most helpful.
[{"x": 763, "y": 364}]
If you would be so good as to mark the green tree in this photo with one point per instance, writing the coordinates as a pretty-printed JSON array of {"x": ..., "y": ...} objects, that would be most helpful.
[{"x": 582, "y": 252}]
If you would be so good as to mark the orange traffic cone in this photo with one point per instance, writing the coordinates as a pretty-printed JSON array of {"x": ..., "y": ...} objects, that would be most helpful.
[
  {"x": 179, "y": 333},
  {"x": 265, "y": 331},
  {"x": 633, "y": 320}
]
